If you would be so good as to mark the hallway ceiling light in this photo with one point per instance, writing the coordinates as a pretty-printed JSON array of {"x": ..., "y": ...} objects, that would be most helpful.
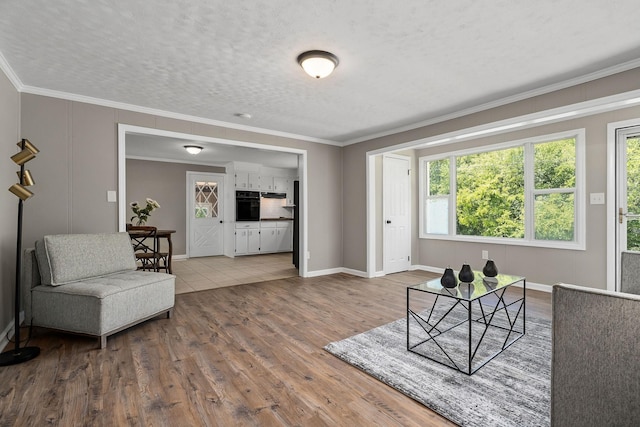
[
  {"x": 318, "y": 63},
  {"x": 193, "y": 149}
]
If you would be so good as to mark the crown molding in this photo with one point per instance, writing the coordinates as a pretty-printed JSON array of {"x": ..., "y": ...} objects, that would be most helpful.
[
  {"x": 163, "y": 113},
  {"x": 20, "y": 87},
  {"x": 11, "y": 75},
  {"x": 626, "y": 66}
]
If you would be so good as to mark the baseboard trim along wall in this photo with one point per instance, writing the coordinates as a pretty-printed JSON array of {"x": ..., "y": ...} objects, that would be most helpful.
[{"x": 530, "y": 285}]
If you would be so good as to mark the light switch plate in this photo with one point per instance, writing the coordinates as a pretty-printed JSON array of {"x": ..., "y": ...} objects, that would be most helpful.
[
  {"x": 111, "y": 196},
  {"x": 596, "y": 198}
]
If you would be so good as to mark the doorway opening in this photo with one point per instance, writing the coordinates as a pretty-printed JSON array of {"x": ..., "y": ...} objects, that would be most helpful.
[{"x": 243, "y": 150}]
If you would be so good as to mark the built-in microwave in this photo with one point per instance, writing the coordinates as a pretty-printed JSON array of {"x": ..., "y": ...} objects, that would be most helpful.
[{"x": 247, "y": 206}]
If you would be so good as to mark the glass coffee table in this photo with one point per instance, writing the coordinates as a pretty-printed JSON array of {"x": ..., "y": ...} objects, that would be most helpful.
[{"x": 467, "y": 326}]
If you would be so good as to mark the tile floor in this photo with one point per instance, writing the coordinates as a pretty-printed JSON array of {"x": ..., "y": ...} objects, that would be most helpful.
[{"x": 198, "y": 274}]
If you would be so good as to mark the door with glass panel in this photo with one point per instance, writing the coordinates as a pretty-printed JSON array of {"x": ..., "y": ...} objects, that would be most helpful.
[
  {"x": 628, "y": 192},
  {"x": 205, "y": 214}
]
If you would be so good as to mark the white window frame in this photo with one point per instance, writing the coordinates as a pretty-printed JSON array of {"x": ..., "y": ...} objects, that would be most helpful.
[{"x": 529, "y": 240}]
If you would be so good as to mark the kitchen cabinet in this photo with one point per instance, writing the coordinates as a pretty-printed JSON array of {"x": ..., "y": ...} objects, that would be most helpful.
[
  {"x": 280, "y": 184},
  {"x": 268, "y": 240},
  {"x": 284, "y": 232},
  {"x": 266, "y": 183},
  {"x": 247, "y": 238},
  {"x": 247, "y": 181},
  {"x": 264, "y": 237}
]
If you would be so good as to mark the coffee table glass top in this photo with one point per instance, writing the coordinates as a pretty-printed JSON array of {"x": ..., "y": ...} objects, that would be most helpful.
[{"x": 480, "y": 287}]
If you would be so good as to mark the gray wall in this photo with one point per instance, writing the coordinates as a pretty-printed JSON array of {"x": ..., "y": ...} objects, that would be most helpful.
[
  {"x": 537, "y": 264},
  {"x": 9, "y": 122},
  {"x": 78, "y": 164},
  {"x": 165, "y": 183}
]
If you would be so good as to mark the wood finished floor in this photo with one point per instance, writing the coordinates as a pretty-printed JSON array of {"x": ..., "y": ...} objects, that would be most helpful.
[{"x": 246, "y": 355}]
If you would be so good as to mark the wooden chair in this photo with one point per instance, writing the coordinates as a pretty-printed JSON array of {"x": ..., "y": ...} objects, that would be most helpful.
[{"x": 146, "y": 248}]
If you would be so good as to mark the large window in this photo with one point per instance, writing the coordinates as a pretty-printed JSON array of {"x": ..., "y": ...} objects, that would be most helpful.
[{"x": 526, "y": 192}]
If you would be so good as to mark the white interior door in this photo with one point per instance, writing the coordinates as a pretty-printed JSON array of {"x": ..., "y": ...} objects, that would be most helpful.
[
  {"x": 396, "y": 193},
  {"x": 205, "y": 214},
  {"x": 628, "y": 193}
]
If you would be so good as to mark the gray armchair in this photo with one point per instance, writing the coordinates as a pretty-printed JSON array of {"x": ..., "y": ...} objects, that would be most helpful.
[
  {"x": 630, "y": 276},
  {"x": 595, "y": 364}
]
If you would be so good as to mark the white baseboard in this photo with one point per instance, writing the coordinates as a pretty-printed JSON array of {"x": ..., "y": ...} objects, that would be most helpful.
[
  {"x": 530, "y": 285},
  {"x": 318, "y": 273},
  {"x": 8, "y": 332}
]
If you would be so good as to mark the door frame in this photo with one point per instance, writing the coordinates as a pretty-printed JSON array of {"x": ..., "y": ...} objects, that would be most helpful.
[
  {"x": 221, "y": 196},
  {"x": 124, "y": 129},
  {"x": 613, "y": 260}
]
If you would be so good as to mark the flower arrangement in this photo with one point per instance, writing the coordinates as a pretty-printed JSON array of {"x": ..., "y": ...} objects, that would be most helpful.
[{"x": 142, "y": 214}]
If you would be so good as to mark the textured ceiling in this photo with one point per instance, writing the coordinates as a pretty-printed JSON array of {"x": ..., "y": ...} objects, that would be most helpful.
[{"x": 401, "y": 62}]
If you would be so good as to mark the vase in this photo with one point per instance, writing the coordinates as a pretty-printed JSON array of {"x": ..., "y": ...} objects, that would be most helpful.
[
  {"x": 490, "y": 269},
  {"x": 141, "y": 222},
  {"x": 466, "y": 274},
  {"x": 448, "y": 279}
]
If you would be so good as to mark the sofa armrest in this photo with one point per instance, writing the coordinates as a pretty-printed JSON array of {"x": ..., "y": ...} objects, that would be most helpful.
[{"x": 595, "y": 366}]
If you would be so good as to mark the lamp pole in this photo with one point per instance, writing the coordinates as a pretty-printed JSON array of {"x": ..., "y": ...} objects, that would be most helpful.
[{"x": 19, "y": 355}]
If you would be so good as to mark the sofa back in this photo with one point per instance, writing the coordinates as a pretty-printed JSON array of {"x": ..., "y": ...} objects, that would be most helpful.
[
  {"x": 66, "y": 258},
  {"x": 630, "y": 272},
  {"x": 595, "y": 362}
]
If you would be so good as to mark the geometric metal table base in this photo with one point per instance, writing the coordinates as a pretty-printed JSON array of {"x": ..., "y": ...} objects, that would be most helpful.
[{"x": 491, "y": 330}]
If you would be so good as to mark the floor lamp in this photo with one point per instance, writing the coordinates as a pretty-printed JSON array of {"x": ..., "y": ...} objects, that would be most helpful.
[{"x": 27, "y": 152}]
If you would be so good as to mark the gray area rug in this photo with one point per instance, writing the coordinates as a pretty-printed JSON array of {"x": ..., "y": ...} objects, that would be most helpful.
[{"x": 511, "y": 390}]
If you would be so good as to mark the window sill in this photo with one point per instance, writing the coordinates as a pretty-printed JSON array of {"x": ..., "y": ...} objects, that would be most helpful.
[{"x": 573, "y": 246}]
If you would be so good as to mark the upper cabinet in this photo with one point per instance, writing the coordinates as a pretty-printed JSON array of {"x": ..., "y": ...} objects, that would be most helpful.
[
  {"x": 266, "y": 182},
  {"x": 252, "y": 177},
  {"x": 247, "y": 181},
  {"x": 281, "y": 184}
]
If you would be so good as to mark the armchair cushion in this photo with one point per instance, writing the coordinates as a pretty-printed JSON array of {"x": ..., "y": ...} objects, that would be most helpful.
[{"x": 67, "y": 258}]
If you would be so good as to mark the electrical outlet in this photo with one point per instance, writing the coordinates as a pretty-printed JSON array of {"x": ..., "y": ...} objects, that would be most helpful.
[{"x": 485, "y": 254}]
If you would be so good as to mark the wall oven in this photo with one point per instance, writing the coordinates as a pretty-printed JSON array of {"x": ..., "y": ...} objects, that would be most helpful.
[{"x": 247, "y": 206}]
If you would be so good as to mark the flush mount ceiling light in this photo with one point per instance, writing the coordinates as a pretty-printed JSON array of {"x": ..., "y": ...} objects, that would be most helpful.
[
  {"x": 193, "y": 149},
  {"x": 318, "y": 63}
]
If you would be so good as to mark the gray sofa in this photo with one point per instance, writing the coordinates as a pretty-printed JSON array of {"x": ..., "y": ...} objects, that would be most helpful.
[
  {"x": 89, "y": 284},
  {"x": 595, "y": 363}
]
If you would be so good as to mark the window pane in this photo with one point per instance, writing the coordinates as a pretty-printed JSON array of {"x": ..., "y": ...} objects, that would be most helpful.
[
  {"x": 438, "y": 184},
  {"x": 633, "y": 192},
  {"x": 555, "y": 164},
  {"x": 437, "y": 210},
  {"x": 554, "y": 216},
  {"x": 206, "y": 199},
  {"x": 490, "y": 193}
]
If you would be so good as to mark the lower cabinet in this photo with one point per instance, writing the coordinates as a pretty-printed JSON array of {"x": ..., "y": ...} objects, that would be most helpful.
[
  {"x": 268, "y": 240},
  {"x": 265, "y": 237},
  {"x": 285, "y": 236},
  {"x": 248, "y": 238}
]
